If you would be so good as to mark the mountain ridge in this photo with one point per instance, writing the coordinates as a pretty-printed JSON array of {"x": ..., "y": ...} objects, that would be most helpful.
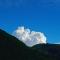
[{"x": 13, "y": 49}]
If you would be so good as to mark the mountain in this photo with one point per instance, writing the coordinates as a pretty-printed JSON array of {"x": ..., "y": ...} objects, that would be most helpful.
[
  {"x": 51, "y": 51},
  {"x": 13, "y": 49}
]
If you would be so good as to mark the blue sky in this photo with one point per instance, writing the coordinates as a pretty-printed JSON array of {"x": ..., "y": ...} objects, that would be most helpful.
[{"x": 38, "y": 15}]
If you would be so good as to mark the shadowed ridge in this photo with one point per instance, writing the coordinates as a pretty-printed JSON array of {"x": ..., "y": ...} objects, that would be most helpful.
[
  {"x": 51, "y": 50},
  {"x": 48, "y": 45},
  {"x": 4, "y": 36},
  {"x": 13, "y": 49}
]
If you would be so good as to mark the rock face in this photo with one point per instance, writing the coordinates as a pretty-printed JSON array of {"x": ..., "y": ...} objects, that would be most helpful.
[{"x": 13, "y": 49}]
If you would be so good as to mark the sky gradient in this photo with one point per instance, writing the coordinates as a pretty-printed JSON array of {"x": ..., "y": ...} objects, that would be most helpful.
[{"x": 37, "y": 15}]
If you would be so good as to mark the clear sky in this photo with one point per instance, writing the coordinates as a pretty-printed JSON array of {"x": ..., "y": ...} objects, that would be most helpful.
[{"x": 38, "y": 15}]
